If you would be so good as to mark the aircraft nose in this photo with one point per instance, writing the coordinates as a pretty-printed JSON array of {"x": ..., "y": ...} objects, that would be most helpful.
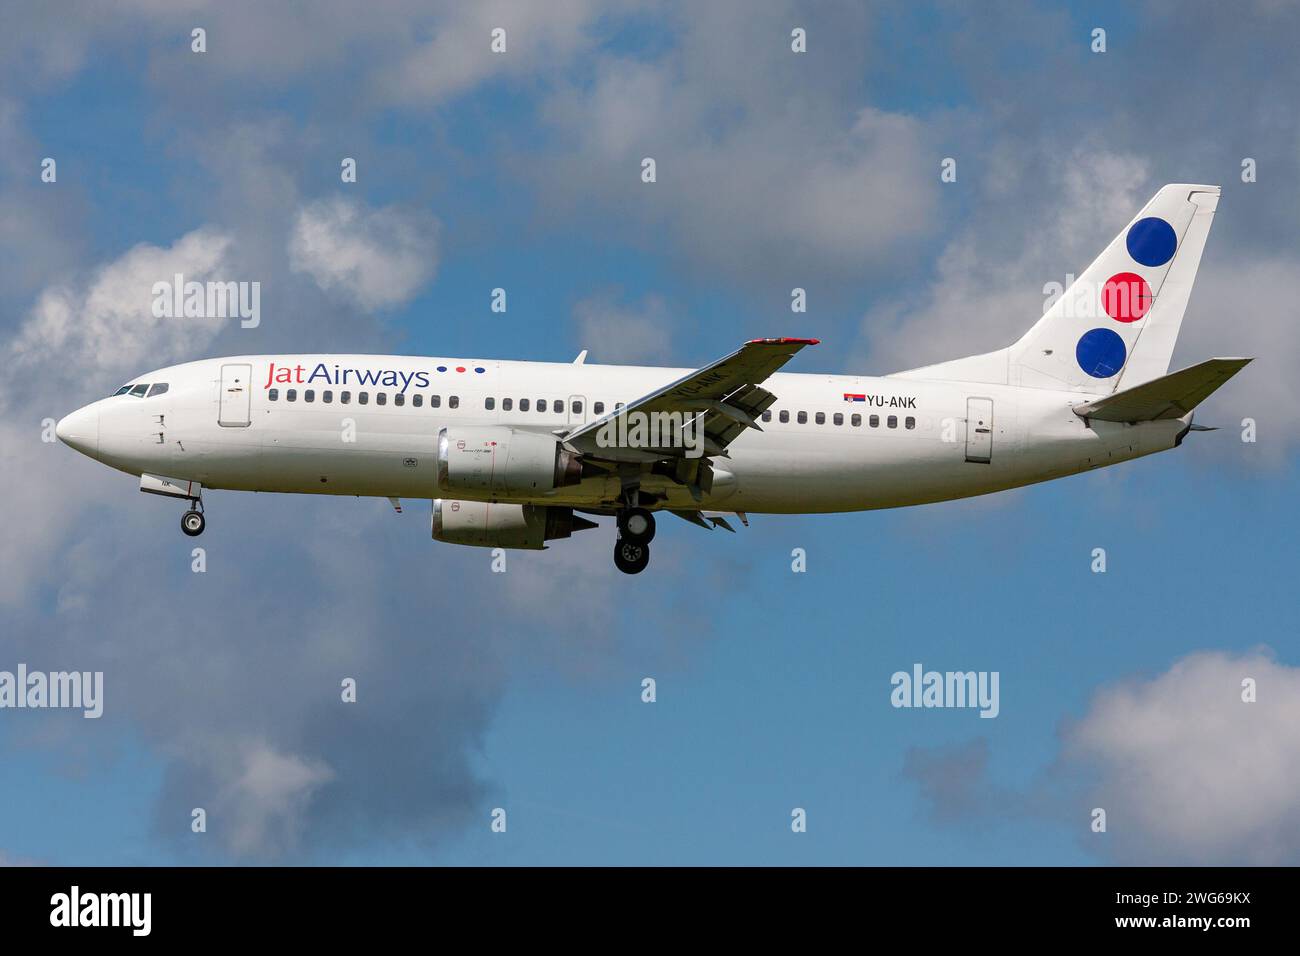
[{"x": 80, "y": 430}]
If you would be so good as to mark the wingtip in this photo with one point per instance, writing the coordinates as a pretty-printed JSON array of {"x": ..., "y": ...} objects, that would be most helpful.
[{"x": 784, "y": 341}]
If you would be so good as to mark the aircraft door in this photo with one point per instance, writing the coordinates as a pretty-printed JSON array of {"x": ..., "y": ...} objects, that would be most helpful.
[
  {"x": 979, "y": 430},
  {"x": 236, "y": 396}
]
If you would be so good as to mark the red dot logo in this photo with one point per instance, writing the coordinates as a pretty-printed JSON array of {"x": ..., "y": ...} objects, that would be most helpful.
[{"x": 1126, "y": 297}]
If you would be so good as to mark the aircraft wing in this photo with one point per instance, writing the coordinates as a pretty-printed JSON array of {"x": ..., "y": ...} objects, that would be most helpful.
[
  {"x": 726, "y": 397},
  {"x": 1170, "y": 396}
]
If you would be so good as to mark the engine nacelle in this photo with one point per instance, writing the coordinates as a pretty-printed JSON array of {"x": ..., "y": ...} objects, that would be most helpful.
[
  {"x": 485, "y": 525},
  {"x": 504, "y": 462}
]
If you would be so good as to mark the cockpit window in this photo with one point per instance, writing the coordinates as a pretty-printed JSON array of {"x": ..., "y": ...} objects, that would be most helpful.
[
  {"x": 122, "y": 391},
  {"x": 157, "y": 389},
  {"x": 139, "y": 390}
]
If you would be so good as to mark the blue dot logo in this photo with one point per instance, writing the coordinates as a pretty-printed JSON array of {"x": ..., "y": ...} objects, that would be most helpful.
[
  {"x": 1151, "y": 241},
  {"x": 1100, "y": 353}
]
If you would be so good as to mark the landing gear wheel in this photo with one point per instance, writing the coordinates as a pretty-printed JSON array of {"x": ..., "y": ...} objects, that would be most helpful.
[
  {"x": 631, "y": 557},
  {"x": 636, "y": 524},
  {"x": 192, "y": 523}
]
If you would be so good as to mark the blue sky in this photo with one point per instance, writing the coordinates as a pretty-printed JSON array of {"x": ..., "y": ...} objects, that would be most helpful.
[{"x": 522, "y": 690}]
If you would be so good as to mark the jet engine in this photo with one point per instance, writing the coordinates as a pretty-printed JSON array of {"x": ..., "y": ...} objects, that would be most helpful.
[
  {"x": 486, "y": 525},
  {"x": 504, "y": 462}
]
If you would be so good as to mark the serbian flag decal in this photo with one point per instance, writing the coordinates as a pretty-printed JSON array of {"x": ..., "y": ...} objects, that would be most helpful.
[{"x": 852, "y": 397}]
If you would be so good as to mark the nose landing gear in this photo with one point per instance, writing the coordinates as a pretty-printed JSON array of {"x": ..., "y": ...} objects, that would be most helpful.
[{"x": 636, "y": 529}]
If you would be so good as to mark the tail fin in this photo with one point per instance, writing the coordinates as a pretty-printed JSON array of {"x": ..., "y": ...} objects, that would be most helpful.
[{"x": 1117, "y": 324}]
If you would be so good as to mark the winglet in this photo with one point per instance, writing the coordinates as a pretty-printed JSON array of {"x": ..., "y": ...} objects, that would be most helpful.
[
  {"x": 581, "y": 359},
  {"x": 784, "y": 341}
]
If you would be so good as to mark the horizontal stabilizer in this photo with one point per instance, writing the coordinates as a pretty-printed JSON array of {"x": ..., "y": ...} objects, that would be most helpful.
[{"x": 1170, "y": 396}]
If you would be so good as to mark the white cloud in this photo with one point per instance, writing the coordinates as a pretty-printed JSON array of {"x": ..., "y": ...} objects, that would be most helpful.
[
  {"x": 107, "y": 323},
  {"x": 7, "y": 859},
  {"x": 376, "y": 258},
  {"x": 1187, "y": 772},
  {"x": 621, "y": 333},
  {"x": 760, "y": 164},
  {"x": 1248, "y": 307},
  {"x": 79, "y": 338},
  {"x": 457, "y": 55},
  {"x": 408, "y": 51},
  {"x": 987, "y": 289},
  {"x": 261, "y": 812}
]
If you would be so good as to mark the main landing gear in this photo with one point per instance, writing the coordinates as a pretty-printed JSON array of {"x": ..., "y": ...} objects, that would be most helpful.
[
  {"x": 192, "y": 522},
  {"x": 636, "y": 529}
]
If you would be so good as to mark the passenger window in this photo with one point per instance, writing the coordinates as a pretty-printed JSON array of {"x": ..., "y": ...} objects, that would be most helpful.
[
  {"x": 327, "y": 396},
  {"x": 273, "y": 395},
  {"x": 435, "y": 401},
  {"x": 909, "y": 422},
  {"x": 489, "y": 403},
  {"x": 291, "y": 395},
  {"x": 453, "y": 401},
  {"x": 309, "y": 395},
  {"x": 785, "y": 417},
  {"x": 363, "y": 398},
  {"x": 381, "y": 398},
  {"x": 856, "y": 421},
  {"x": 399, "y": 399},
  {"x": 802, "y": 418},
  {"x": 139, "y": 391},
  {"x": 157, "y": 389},
  {"x": 576, "y": 408},
  {"x": 874, "y": 421},
  {"x": 417, "y": 400},
  {"x": 599, "y": 408},
  {"x": 345, "y": 398},
  {"x": 767, "y": 416},
  {"x": 541, "y": 404},
  {"x": 892, "y": 421},
  {"x": 507, "y": 404},
  {"x": 821, "y": 418},
  {"x": 523, "y": 404},
  {"x": 838, "y": 419}
]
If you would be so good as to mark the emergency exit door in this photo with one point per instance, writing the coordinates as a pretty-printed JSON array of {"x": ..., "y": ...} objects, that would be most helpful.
[
  {"x": 236, "y": 396},
  {"x": 979, "y": 430}
]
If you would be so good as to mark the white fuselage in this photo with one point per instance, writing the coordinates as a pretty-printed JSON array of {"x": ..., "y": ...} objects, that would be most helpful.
[{"x": 217, "y": 424}]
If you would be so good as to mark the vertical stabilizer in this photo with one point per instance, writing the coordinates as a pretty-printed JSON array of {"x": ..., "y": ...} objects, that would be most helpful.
[{"x": 1119, "y": 321}]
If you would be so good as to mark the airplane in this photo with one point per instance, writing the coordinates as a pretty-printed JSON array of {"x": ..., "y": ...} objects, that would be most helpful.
[{"x": 515, "y": 454}]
